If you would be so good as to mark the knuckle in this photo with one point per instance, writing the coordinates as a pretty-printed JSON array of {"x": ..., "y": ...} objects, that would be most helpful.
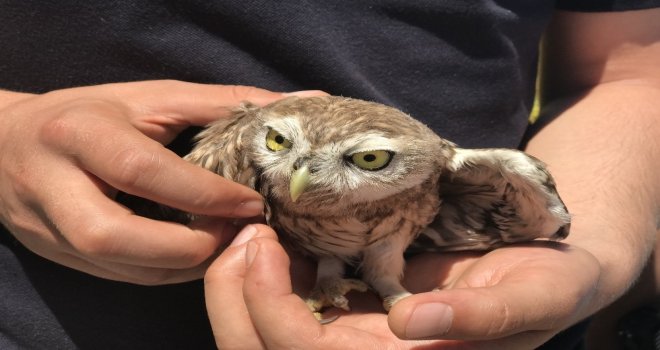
[
  {"x": 507, "y": 321},
  {"x": 63, "y": 128},
  {"x": 134, "y": 166},
  {"x": 206, "y": 200},
  {"x": 242, "y": 92},
  {"x": 68, "y": 125},
  {"x": 93, "y": 239}
]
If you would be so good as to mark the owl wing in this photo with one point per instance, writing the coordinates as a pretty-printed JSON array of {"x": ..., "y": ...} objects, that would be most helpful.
[
  {"x": 491, "y": 197},
  {"x": 223, "y": 147}
]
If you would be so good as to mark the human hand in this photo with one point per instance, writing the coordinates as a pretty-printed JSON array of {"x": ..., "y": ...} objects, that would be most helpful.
[
  {"x": 512, "y": 298},
  {"x": 66, "y": 153},
  {"x": 252, "y": 305}
]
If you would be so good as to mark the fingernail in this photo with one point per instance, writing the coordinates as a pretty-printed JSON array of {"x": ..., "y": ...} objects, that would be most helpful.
[
  {"x": 251, "y": 252},
  {"x": 429, "y": 320},
  {"x": 250, "y": 209},
  {"x": 306, "y": 93},
  {"x": 245, "y": 235}
]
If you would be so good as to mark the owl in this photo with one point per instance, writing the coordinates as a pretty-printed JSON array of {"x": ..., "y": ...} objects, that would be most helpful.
[{"x": 357, "y": 183}]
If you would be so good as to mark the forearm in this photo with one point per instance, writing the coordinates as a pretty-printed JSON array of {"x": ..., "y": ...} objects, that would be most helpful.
[{"x": 604, "y": 152}]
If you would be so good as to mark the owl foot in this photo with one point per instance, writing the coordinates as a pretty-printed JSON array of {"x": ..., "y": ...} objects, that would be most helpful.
[
  {"x": 331, "y": 292},
  {"x": 390, "y": 300}
]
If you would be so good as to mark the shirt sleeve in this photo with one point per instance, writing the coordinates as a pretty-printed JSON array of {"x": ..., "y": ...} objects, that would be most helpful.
[{"x": 606, "y": 5}]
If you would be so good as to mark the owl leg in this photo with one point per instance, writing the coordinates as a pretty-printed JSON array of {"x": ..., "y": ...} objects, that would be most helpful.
[
  {"x": 330, "y": 288},
  {"x": 382, "y": 268}
]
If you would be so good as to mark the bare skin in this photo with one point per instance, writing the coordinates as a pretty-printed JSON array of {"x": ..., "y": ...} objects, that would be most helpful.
[{"x": 602, "y": 148}]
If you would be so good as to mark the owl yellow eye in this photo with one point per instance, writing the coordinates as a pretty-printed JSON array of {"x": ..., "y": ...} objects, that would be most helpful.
[
  {"x": 276, "y": 142},
  {"x": 371, "y": 160}
]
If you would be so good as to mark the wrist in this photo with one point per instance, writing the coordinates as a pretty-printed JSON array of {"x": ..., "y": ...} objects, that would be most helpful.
[{"x": 622, "y": 250}]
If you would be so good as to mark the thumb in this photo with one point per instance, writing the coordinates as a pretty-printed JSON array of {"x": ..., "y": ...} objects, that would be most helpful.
[
  {"x": 276, "y": 312},
  {"x": 480, "y": 313},
  {"x": 533, "y": 288}
]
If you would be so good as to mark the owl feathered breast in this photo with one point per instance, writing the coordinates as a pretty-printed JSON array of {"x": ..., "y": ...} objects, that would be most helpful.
[{"x": 449, "y": 198}]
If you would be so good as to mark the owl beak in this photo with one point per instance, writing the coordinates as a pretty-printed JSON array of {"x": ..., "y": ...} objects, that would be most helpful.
[{"x": 299, "y": 181}]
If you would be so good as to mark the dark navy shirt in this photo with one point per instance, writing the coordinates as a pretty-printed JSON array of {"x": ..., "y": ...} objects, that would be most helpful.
[{"x": 465, "y": 68}]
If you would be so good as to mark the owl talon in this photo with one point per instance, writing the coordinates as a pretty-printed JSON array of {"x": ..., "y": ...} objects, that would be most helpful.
[
  {"x": 319, "y": 317},
  {"x": 322, "y": 320},
  {"x": 331, "y": 292},
  {"x": 340, "y": 301}
]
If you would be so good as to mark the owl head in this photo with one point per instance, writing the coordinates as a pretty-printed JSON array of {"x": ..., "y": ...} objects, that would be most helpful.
[{"x": 316, "y": 151}]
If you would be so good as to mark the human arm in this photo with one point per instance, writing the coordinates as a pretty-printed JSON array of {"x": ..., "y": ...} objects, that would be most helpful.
[
  {"x": 611, "y": 129},
  {"x": 66, "y": 153}
]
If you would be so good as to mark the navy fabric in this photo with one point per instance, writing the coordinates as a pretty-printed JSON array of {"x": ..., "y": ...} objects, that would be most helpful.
[
  {"x": 466, "y": 68},
  {"x": 606, "y": 5}
]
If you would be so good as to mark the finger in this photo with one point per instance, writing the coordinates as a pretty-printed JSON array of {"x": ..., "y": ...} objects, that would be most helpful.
[
  {"x": 230, "y": 320},
  {"x": 99, "y": 228},
  {"x": 115, "y": 271},
  {"x": 192, "y": 103},
  {"x": 514, "y": 305},
  {"x": 45, "y": 241},
  {"x": 146, "y": 276},
  {"x": 182, "y": 102},
  {"x": 274, "y": 309},
  {"x": 135, "y": 164}
]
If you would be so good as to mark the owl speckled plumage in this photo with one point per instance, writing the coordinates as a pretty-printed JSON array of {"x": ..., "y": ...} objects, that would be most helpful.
[{"x": 355, "y": 182}]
